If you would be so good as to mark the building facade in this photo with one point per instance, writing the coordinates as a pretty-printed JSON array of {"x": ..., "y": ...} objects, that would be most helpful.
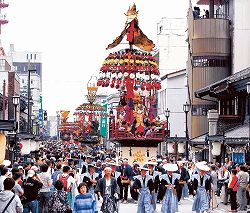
[
  {"x": 23, "y": 61},
  {"x": 171, "y": 44},
  {"x": 209, "y": 60},
  {"x": 218, "y": 73},
  {"x": 172, "y": 96}
]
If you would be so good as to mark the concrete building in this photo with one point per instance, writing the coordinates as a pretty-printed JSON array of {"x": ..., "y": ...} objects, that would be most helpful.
[
  {"x": 172, "y": 96},
  {"x": 22, "y": 62},
  {"x": 12, "y": 87},
  {"x": 218, "y": 47},
  {"x": 208, "y": 61},
  {"x": 218, "y": 72},
  {"x": 171, "y": 44},
  {"x": 52, "y": 126}
]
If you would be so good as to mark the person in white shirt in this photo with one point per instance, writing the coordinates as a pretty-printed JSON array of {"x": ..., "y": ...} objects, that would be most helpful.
[
  {"x": 45, "y": 190},
  {"x": 4, "y": 174}
]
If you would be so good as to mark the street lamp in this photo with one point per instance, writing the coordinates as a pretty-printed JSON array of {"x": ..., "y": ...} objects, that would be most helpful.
[
  {"x": 248, "y": 94},
  {"x": 186, "y": 109},
  {"x": 167, "y": 115},
  {"x": 15, "y": 101}
]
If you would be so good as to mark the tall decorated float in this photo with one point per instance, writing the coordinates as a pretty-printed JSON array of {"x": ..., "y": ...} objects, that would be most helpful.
[
  {"x": 134, "y": 73},
  {"x": 84, "y": 130}
]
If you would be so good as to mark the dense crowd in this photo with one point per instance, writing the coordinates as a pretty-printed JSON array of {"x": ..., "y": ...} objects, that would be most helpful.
[{"x": 68, "y": 178}]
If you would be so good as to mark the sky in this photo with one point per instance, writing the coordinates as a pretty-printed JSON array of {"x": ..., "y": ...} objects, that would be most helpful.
[{"x": 72, "y": 36}]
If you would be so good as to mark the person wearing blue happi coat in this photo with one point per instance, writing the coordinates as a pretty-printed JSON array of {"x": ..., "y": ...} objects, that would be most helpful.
[
  {"x": 170, "y": 183},
  {"x": 202, "y": 186},
  {"x": 144, "y": 186},
  {"x": 156, "y": 179}
]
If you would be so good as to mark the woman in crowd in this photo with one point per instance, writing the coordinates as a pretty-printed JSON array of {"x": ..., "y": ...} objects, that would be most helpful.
[
  {"x": 233, "y": 186},
  {"x": 58, "y": 201},
  {"x": 84, "y": 202}
]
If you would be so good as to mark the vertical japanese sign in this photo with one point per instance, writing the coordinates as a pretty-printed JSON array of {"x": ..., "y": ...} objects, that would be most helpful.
[
  {"x": 40, "y": 116},
  {"x": 103, "y": 126}
]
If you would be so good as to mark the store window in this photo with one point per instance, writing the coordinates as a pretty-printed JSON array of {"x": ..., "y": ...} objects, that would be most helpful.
[
  {"x": 202, "y": 109},
  {"x": 211, "y": 61}
]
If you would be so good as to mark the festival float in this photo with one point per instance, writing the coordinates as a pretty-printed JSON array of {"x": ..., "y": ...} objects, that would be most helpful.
[
  {"x": 87, "y": 116},
  {"x": 85, "y": 128},
  {"x": 135, "y": 74}
]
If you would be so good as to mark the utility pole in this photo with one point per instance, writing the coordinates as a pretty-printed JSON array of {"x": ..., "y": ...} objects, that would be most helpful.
[
  {"x": 4, "y": 98},
  {"x": 29, "y": 97},
  {"x": 29, "y": 114}
]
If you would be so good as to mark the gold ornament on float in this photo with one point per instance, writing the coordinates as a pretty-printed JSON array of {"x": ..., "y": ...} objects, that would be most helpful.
[{"x": 139, "y": 156}]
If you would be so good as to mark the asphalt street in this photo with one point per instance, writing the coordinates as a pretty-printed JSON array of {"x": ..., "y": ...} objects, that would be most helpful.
[{"x": 185, "y": 206}]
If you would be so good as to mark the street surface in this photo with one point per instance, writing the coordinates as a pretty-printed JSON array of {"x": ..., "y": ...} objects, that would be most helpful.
[{"x": 185, "y": 206}]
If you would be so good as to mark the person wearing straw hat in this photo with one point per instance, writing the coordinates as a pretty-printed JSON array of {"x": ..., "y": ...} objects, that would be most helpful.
[
  {"x": 90, "y": 178},
  {"x": 156, "y": 179},
  {"x": 169, "y": 184},
  {"x": 144, "y": 186},
  {"x": 202, "y": 186}
]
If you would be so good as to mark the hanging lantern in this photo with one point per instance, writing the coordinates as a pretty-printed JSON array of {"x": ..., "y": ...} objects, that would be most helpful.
[
  {"x": 216, "y": 150},
  {"x": 32, "y": 145},
  {"x": 171, "y": 147},
  {"x": 37, "y": 145},
  {"x": 181, "y": 148},
  {"x": 26, "y": 147},
  {"x": 2, "y": 147}
]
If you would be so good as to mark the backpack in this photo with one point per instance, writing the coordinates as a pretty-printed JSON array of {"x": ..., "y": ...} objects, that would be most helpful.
[
  {"x": 65, "y": 183},
  {"x": 55, "y": 175}
]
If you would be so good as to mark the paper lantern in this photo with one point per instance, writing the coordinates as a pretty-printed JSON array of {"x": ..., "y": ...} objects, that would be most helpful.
[
  {"x": 2, "y": 147},
  {"x": 26, "y": 147},
  {"x": 170, "y": 148},
  {"x": 132, "y": 75},
  {"x": 181, "y": 148},
  {"x": 37, "y": 145},
  {"x": 32, "y": 145},
  {"x": 216, "y": 148}
]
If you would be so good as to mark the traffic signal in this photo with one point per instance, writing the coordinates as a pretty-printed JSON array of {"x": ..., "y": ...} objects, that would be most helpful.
[{"x": 45, "y": 116}]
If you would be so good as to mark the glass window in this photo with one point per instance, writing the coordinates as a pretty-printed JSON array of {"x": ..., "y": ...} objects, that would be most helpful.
[
  {"x": 210, "y": 61},
  {"x": 202, "y": 109}
]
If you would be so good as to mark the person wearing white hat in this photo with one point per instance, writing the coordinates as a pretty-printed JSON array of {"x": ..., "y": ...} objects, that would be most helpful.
[
  {"x": 156, "y": 179},
  {"x": 202, "y": 186},
  {"x": 169, "y": 184},
  {"x": 107, "y": 188},
  {"x": 144, "y": 186}
]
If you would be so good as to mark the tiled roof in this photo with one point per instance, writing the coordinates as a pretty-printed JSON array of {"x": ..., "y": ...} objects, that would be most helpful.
[
  {"x": 238, "y": 132},
  {"x": 244, "y": 74}
]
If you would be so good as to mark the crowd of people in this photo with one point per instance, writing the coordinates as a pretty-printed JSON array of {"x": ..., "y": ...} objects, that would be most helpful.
[{"x": 61, "y": 177}]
